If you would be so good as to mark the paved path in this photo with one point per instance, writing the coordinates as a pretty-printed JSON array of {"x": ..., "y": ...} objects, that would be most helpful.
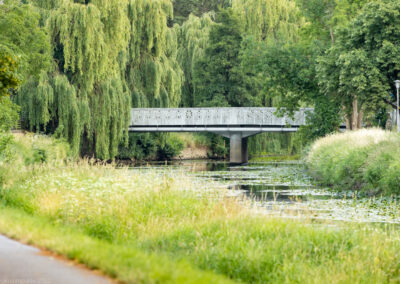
[{"x": 22, "y": 264}]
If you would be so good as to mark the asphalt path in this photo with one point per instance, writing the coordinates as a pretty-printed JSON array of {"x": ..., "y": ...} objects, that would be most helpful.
[{"x": 22, "y": 264}]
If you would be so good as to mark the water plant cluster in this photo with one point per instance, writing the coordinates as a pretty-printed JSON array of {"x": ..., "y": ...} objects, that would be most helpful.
[
  {"x": 286, "y": 189},
  {"x": 149, "y": 226},
  {"x": 367, "y": 160}
]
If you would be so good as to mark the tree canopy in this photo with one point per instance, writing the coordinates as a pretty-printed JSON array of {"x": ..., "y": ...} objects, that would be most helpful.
[
  {"x": 82, "y": 64},
  {"x": 359, "y": 70},
  {"x": 107, "y": 56},
  {"x": 183, "y": 8},
  {"x": 27, "y": 41}
]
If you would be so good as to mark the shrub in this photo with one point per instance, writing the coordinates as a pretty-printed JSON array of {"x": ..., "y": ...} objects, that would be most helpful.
[
  {"x": 8, "y": 114},
  {"x": 171, "y": 147},
  {"x": 19, "y": 151},
  {"x": 140, "y": 147}
]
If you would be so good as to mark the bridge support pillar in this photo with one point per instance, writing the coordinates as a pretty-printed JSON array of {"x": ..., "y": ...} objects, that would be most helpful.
[{"x": 238, "y": 150}]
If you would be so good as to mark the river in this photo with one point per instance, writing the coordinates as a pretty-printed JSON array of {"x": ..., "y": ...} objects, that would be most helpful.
[{"x": 283, "y": 188}]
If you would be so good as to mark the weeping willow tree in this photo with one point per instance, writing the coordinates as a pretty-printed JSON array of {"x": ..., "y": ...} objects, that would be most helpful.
[
  {"x": 269, "y": 20},
  {"x": 87, "y": 40},
  {"x": 266, "y": 23},
  {"x": 107, "y": 56},
  {"x": 193, "y": 39},
  {"x": 51, "y": 105},
  {"x": 83, "y": 95},
  {"x": 152, "y": 71}
]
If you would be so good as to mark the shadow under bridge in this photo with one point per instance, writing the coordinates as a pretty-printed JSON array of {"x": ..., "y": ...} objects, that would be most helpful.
[{"x": 237, "y": 124}]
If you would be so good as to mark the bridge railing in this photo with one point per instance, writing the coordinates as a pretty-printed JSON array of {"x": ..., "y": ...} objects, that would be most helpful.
[{"x": 214, "y": 116}]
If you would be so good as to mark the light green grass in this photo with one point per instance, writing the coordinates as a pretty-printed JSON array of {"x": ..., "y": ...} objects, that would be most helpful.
[
  {"x": 93, "y": 212},
  {"x": 367, "y": 160},
  {"x": 153, "y": 227},
  {"x": 192, "y": 140},
  {"x": 123, "y": 262}
]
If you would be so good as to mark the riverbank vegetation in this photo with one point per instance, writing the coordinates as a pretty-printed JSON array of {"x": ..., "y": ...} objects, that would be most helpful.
[
  {"x": 367, "y": 160},
  {"x": 73, "y": 69},
  {"x": 147, "y": 226}
]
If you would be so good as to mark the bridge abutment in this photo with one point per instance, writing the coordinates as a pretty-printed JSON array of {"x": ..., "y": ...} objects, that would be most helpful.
[{"x": 238, "y": 149}]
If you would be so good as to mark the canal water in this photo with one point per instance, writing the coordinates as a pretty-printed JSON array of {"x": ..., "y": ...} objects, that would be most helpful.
[{"x": 284, "y": 189}]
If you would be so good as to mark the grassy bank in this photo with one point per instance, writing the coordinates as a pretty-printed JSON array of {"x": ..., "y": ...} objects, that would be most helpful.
[
  {"x": 154, "y": 227},
  {"x": 367, "y": 160}
]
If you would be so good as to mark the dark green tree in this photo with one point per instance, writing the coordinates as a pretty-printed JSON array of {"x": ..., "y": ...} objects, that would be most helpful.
[
  {"x": 183, "y": 8},
  {"x": 359, "y": 70},
  {"x": 8, "y": 80},
  {"x": 218, "y": 78},
  {"x": 27, "y": 40}
]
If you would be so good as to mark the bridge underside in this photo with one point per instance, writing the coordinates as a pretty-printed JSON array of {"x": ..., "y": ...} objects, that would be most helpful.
[
  {"x": 214, "y": 129},
  {"x": 238, "y": 136}
]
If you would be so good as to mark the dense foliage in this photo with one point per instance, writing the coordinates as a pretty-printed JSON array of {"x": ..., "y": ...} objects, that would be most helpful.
[
  {"x": 84, "y": 64},
  {"x": 359, "y": 70},
  {"x": 106, "y": 57},
  {"x": 8, "y": 77},
  {"x": 9, "y": 81},
  {"x": 218, "y": 79},
  {"x": 184, "y": 8},
  {"x": 193, "y": 39},
  {"x": 27, "y": 41}
]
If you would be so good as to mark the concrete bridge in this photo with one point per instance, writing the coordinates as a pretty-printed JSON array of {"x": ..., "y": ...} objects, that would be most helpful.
[{"x": 237, "y": 124}]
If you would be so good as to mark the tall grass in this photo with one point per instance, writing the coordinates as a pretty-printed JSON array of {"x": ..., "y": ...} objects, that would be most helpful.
[
  {"x": 114, "y": 204},
  {"x": 193, "y": 140},
  {"x": 367, "y": 160},
  {"x": 20, "y": 153},
  {"x": 163, "y": 227}
]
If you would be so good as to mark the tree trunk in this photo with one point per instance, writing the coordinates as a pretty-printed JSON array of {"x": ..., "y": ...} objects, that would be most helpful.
[
  {"x": 347, "y": 118},
  {"x": 348, "y": 122},
  {"x": 332, "y": 36},
  {"x": 355, "y": 116},
  {"x": 360, "y": 119}
]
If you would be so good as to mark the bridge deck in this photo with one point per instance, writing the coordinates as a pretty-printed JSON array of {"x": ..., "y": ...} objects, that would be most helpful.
[{"x": 214, "y": 120}]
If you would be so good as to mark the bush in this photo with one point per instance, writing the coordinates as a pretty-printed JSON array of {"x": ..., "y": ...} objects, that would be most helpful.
[
  {"x": 155, "y": 146},
  {"x": 171, "y": 147},
  {"x": 6, "y": 140},
  {"x": 140, "y": 147},
  {"x": 367, "y": 160},
  {"x": 19, "y": 151},
  {"x": 8, "y": 114}
]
